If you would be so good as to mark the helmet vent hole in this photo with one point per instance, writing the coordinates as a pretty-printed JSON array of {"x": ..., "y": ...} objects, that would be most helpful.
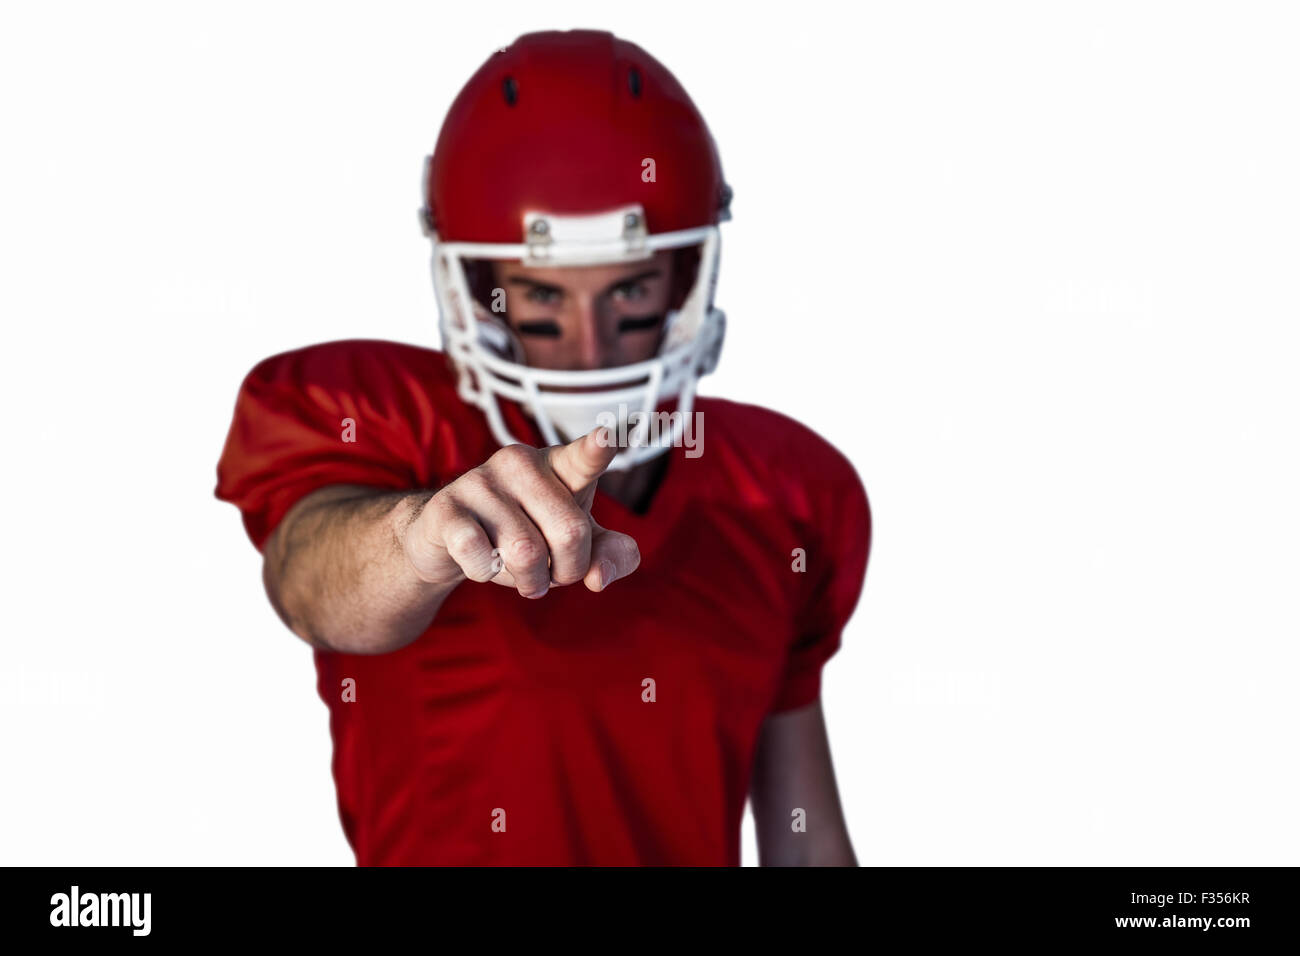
[
  {"x": 634, "y": 82},
  {"x": 511, "y": 90}
]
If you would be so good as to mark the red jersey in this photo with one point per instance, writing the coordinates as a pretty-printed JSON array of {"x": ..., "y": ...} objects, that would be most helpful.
[{"x": 518, "y": 731}]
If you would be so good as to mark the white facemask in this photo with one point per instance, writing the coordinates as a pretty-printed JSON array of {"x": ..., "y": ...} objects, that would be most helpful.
[{"x": 488, "y": 358}]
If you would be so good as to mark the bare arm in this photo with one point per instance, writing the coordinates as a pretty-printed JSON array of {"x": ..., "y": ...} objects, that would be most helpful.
[
  {"x": 336, "y": 571},
  {"x": 792, "y": 770},
  {"x": 362, "y": 571}
]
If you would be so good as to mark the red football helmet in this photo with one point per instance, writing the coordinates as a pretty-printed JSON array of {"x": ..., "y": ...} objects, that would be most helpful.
[{"x": 575, "y": 148}]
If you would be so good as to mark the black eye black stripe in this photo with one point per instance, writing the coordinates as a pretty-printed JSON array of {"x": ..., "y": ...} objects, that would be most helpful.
[
  {"x": 638, "y": 323},
  {"x": 550, "y": 330}
]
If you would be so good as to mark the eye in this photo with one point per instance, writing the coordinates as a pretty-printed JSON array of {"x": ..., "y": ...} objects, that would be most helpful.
[
  {"x": 543, "y": 295},
  {"x": 631, "y": 291}
]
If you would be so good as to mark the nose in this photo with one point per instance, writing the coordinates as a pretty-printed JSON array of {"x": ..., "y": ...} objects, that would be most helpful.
[{"x": 592, "y": 353}]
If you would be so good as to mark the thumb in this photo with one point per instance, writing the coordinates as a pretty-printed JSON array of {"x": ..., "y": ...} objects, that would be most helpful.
[
  {"x": 614, "y": 555},
  {"x": 582, "y": 461}
]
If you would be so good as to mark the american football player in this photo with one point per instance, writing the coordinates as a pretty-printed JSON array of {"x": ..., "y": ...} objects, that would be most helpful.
[{"x": 562, "y": 610}]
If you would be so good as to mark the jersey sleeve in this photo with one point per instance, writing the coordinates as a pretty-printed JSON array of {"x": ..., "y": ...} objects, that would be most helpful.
[
  {"x": 836, "y": 564},
  {"x": 304, "y": 420}
]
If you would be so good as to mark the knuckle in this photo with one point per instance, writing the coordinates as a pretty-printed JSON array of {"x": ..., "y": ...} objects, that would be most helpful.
[
  {"x": 473, "y": 483},
  {"x": 524, "y": 552},
  {"x": 463, "y": 539},
  {"x": 571, "y": 532},
  {"x": 515, "y": 456}
]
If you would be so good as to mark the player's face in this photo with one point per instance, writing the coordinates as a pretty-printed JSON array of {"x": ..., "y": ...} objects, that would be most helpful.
[{"x": 587, "y": 317}]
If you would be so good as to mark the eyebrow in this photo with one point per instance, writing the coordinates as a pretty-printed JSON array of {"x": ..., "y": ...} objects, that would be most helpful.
[
  {"x": 626, "y": 280},
  {"x": 520, "y": 280}
]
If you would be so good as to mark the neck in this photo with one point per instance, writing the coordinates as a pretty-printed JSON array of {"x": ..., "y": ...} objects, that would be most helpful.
[{"x": 635, "y": 488}]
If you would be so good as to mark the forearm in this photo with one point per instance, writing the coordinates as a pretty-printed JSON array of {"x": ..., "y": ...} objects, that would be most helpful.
[
  {"x": 794, "y": 782},
  {"x": 339, "y": 577},
  {"x": 780, "y": 847},
  {"x": 823, "y": 839}
]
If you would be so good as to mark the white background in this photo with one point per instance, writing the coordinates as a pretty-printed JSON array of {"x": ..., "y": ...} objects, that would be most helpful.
[{"x": 1031, "y": 266}]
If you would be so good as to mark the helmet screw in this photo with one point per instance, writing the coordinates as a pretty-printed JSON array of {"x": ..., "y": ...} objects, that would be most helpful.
[{"x": 539, "y": 227}]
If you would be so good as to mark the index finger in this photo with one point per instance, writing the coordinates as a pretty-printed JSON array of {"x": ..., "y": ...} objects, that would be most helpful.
[{"x": 583, "y": 460}]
